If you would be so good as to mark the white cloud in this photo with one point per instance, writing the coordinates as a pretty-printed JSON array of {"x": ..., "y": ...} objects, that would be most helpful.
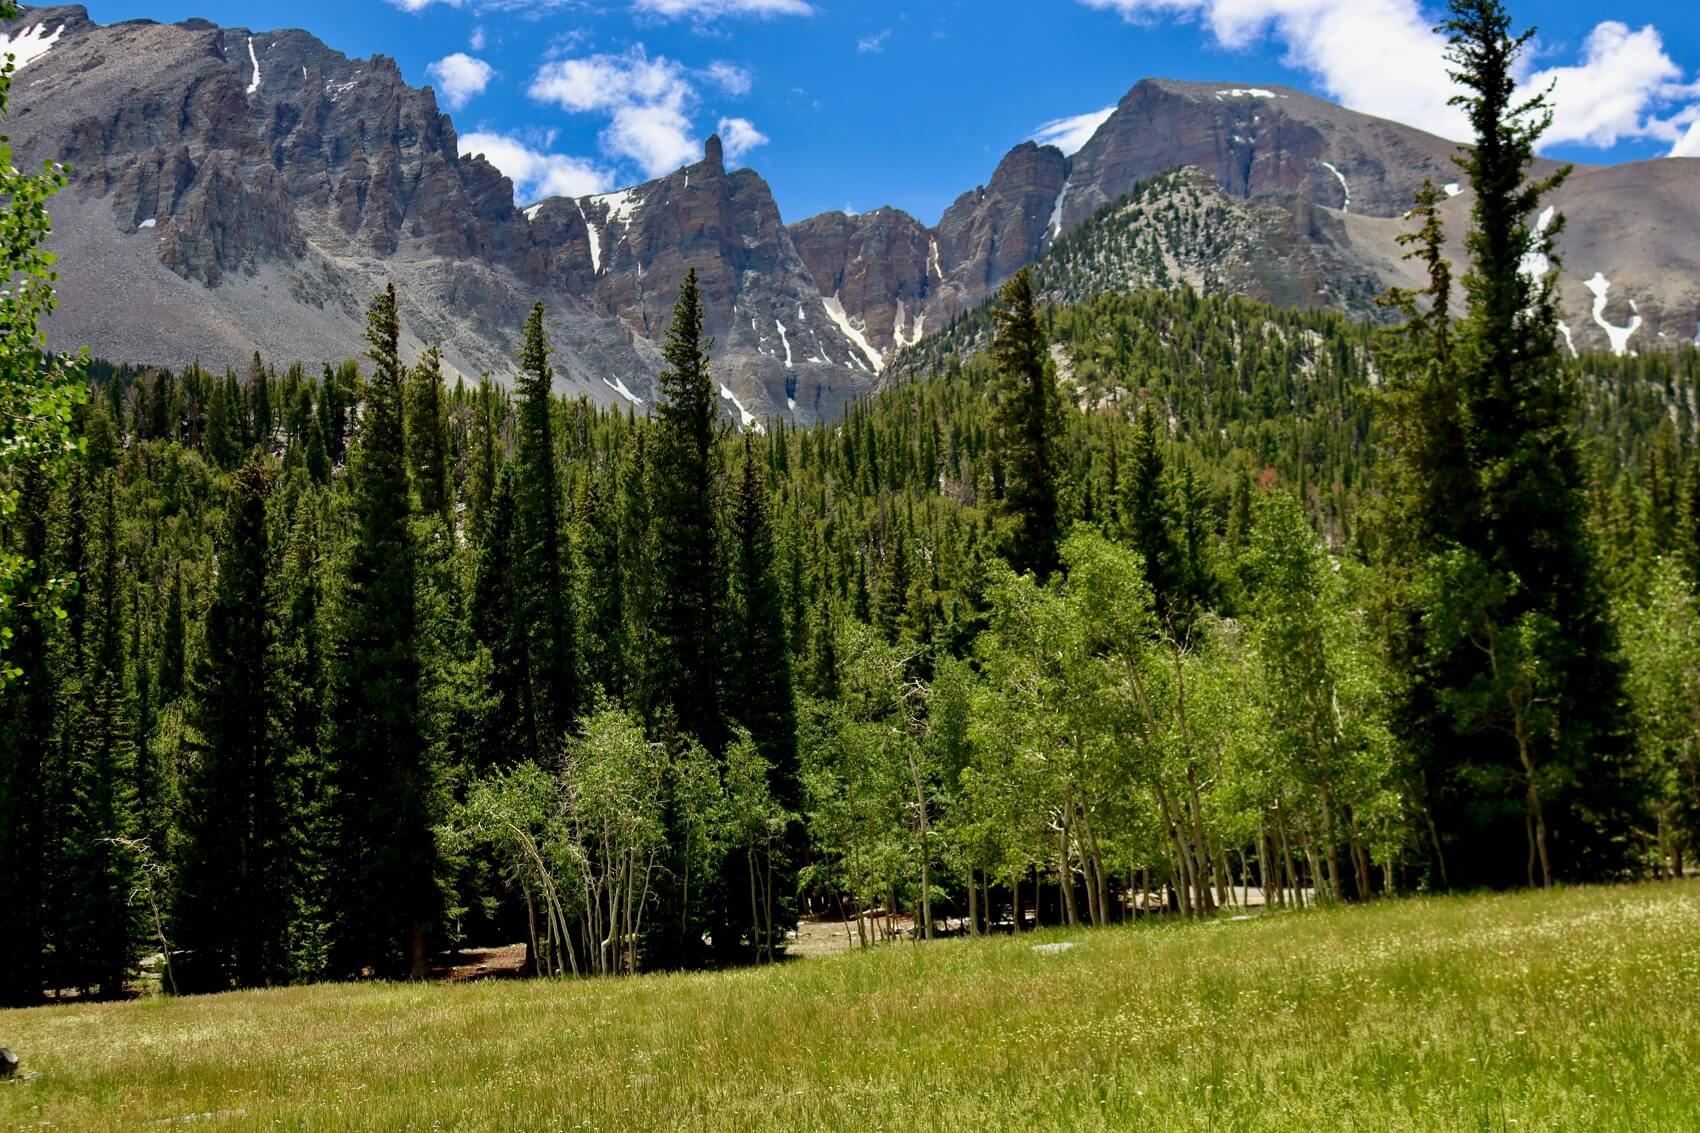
[
  {"x": 608, "y": 82},
  {"x": 459, "y": 78},
  {"x": 1384, "y": 57},
  {"x": 1609, "y": 95},
  {"x": 873, "y": 44},
  {"x": 657, "y": 137},
  {"x": 478, "y": 38},
  {"x": 729, "y": 77},
  {"x": 1069, "y": 134},
  {"x": 649, "y": 102},
  {"x": 537, "y": 174},
  {"x": 1688, "y": 144},
  {"x": 715, "y": 9},
  {"x": 740, "y": 136}
]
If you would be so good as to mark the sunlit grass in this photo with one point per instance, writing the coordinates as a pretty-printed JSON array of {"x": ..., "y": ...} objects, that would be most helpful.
[{"x": 1577, "y": 1010}]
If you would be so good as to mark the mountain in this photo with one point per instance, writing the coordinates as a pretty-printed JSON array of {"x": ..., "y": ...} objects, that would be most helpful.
[{"x": 238, "y": 191}]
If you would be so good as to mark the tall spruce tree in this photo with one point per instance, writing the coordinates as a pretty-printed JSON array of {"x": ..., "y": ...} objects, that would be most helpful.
[
  {"x": 27, "y": 832},
  {"x": 540, "y": 566},
  {"x": 759, "y": 694},
  {"x": 498, "y": 623},
  {"x": 683, "y": 503},
  {"x": 231, "y": 911},
  {"x": 99, "y": 933},
  {"x": 1028, "y": 422},
  {"x": 427, "y": 435},
  {"x": 383, "y": 889},
  {"x": 1515, "y": 690}
]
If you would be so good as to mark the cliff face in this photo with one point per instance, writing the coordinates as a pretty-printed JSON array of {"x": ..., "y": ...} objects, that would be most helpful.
[{"x": 237, "y": 191}]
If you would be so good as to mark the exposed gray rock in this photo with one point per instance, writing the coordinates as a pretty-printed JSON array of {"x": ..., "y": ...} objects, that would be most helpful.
[{"x": 237, "y": 191}]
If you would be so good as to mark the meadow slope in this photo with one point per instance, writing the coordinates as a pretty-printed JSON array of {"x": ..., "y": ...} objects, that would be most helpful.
[{"x": 1573, "y": 1010}]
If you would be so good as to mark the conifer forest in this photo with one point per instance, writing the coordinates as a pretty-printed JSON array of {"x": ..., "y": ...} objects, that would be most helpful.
[{"x": 1103, "y": 609}]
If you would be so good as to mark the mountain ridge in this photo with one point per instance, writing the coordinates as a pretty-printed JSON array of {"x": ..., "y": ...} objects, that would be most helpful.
[{"x": 254, "y": 188}]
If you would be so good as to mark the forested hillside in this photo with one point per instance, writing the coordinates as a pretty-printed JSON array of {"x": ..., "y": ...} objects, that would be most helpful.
[
  {"x": 328, "y": 628},
  {"x": 1145, "y": 598}
]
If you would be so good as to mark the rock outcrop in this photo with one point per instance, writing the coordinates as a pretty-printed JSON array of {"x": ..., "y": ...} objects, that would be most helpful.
[{"x": 237, "y": 191}]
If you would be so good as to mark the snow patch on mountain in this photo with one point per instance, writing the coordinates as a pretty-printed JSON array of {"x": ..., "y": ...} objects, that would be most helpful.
[
  {"x": 784, "y": 341},
  {"x": 1344, "y": 188},
  {"x": 596, "y": 247},
  {"x": 622, "y": 206},
  {"x": 1536, "y": 265},
  {"x": 933, "y": 259},
  {"x": 1248, "y": 92},
  {"x": 1453, "y": 189},
  {"x": 254, "y": 83},
  {"x": 29, "y": 45},
  {"x": 1619, "y": 336},
  {"x": 618, "y": 385},
  {"x": 744, "y": 415},
  {"x": 835, "y": 311},
  {"x": 1056, "y": 215}
]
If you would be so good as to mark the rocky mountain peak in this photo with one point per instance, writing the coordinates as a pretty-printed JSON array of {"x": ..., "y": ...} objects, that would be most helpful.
[{"x": 238, "y": 190}]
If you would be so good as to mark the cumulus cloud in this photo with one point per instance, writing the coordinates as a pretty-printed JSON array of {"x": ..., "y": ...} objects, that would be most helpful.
[
  {"x": 1384, "y": 57},
  {"x": 1611, "y": 93},
  {"x": 608, "y": 82},
  {"x": 729, "y": 77},
  {"x": 657, "y": 137},
  {"x": 704, "y": 10},
  {"x": 459, "y": 78},
  {"x": 1688, "y": 145},
  {"x": 740, "y": 136},
  {"x": 535, "y": 173},
  {"x": 1069, "y": 134},
  {"x": 478, "y": 38},
  {"x": 649, "y": 102}
]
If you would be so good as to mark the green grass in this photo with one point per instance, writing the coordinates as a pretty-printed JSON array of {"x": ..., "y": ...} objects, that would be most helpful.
[{"x": 1574, "y": 1010}]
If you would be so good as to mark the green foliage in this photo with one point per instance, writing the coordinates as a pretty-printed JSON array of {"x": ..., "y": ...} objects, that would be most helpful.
[
  {"x": 1026, "y": 417},
  {"x": 39, "y": 391}
]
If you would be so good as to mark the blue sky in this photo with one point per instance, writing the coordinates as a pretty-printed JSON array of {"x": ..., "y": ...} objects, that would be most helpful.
[{"x": 846, "y": 105}]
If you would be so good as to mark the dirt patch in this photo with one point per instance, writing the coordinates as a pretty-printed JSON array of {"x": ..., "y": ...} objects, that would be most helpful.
[{"x": 504, "y": 963}]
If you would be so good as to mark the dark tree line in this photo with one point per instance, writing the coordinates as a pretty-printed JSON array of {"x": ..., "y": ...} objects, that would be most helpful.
[{"x": 360, "y": 666}]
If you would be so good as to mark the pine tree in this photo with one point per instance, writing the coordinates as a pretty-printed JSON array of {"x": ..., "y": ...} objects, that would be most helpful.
[
  {"x": 385, "y": 899},
  {"x": 683, "y": 500},
  {"x": 541, "y": 575},
  {"x": 1515, "y": 687},
  {"x": 173, "y": 635},
  {"x": 635, "y": 534},
  {"x": 231, "y": 910},
  {"x": 891, "y": 602},
  {"x": 481, "y": 458},
  {"x": 99, "y": 934},
  {"x": 497, "y": 622},
  {"x": 1028, "y": 421},
  {"x": 1148, "y": 513},
  {"x": 427, "y": 435},
  {"x": 27, "y": 834},
  {"x": 759, "y": 694}
]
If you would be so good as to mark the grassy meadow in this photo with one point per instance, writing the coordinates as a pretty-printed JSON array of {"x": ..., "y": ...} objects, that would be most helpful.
[{"x": 1565, "y": 1011}]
